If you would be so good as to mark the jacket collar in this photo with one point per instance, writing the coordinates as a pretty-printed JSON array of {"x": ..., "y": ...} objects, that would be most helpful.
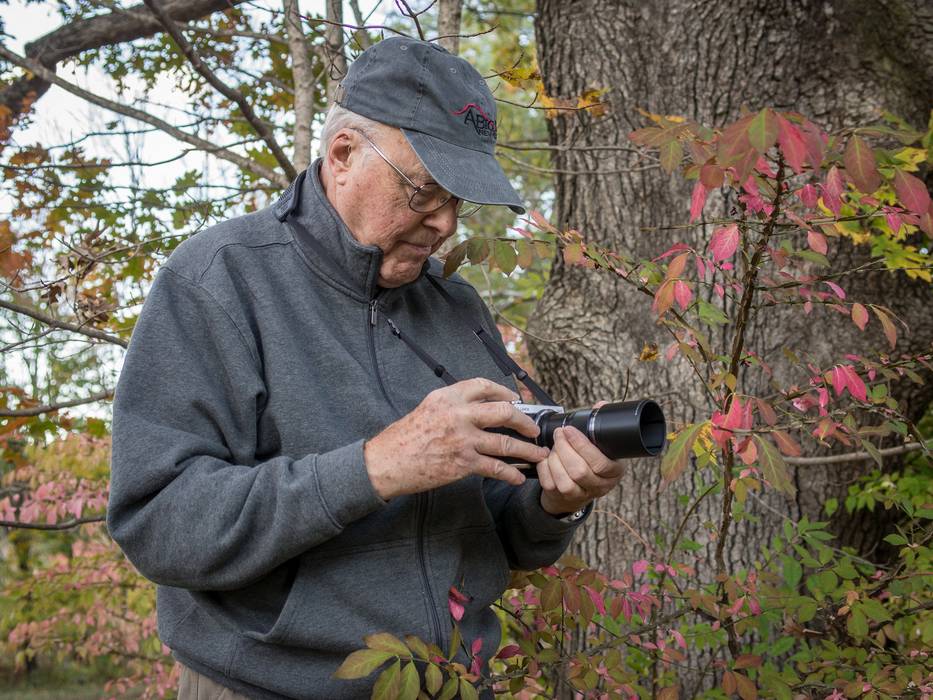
[{"x": 325, "y": 239}]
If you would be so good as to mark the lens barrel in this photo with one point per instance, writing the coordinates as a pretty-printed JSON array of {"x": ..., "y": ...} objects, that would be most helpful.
[{"x": 624, "y": 430}]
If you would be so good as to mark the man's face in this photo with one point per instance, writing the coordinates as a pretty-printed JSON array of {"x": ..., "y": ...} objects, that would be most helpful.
[{"x": 377, "y": 210}]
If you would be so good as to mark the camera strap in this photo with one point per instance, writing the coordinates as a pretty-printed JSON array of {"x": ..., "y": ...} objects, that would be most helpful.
[{"x": 503, "y": 360}]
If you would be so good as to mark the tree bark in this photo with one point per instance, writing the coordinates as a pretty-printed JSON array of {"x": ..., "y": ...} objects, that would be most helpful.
[
  {"x": 333, "y": 37},
  {"x": 448, "y": 24},
  {"x": 303, "y": 79},
  {"x": 77, "y": 36},
  {"x": 840, "y": 63}
]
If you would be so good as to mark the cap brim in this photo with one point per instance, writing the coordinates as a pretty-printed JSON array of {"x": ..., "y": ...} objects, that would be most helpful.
[{"x": 470, "y": 175}]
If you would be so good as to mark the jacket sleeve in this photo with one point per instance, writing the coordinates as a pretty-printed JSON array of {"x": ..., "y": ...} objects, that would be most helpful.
[
  {"x": 531, "y": 536},
  {"x": 190, "y": 505}
]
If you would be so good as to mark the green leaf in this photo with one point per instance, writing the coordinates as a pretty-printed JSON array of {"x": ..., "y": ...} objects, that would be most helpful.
[
  {"x": 387, "y": 642},
  {"x": 449, "y": 690},
  {"x": 454, "y": 258},
  {"x": 773, "y": 466},
  {"x": 467, "y": 691},
  {"x": 763, "y": 130},
  {"x": 410, "y": 683},
  {"x": 551, "y": 595},
  {"x": 781, "y": 646},
  {"x": 807, "y": 610},
  {"x": 361, "y": 663},
  {"x": 844, "y": 569},
  {"x": 417, "y": 646},
  {"x": 792, "y": 571},
  {"x": 711, "y": 315},
  {"x": 671, "y": 155},
  {"x": 433, "y": 679},
  {"x": 812, "y": 256},
  {"x": 874, "y": 609},
  {"x": 857, "y": 624},
  {"x": 386, "y": 687},
  {"x": 504, "y": 254},
  {"x": 678, "y": 452},
  {"x": 477, "y": 250},
  {"x": 455, "y": 639},
  {"x": 896, "y": 540},
  {"x": 831, "y": 506}
]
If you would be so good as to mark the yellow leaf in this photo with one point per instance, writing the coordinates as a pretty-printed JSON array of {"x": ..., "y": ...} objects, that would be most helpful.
[
  {"x": 649, "y": 353},
  {"x": 911, "y": 158}
]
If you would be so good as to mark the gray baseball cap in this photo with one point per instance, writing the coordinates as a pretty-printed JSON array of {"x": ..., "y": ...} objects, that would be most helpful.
[{"x": 444, "y": 108}]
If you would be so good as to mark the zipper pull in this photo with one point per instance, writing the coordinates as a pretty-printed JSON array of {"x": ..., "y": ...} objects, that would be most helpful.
[{"x": 372, "y": 312}]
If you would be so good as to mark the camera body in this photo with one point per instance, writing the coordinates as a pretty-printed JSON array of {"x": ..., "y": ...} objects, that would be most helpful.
[{"x": 623, "y": 430}]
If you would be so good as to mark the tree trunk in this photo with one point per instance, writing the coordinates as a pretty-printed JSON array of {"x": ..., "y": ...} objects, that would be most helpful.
[
  {"x": 448, "y": 24},
  {"x": 839, "y": 62}
]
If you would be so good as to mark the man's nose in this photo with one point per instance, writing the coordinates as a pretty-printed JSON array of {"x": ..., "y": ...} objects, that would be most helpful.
[{"x": 444, "y": 220}]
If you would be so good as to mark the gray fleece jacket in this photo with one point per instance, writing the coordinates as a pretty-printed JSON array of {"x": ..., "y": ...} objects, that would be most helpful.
[{"x": 260, "y": 364}]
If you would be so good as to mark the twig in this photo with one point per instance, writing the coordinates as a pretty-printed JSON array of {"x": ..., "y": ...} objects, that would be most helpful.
[
  {"x": 126, "y": 110},
  {"x": 67, "y": 525},
  {"x": 856, "y": 456},
  {"x": 64, "y": 325},
  {"x": 234, "y": 95},
  {"x": 49, "y": 408}
]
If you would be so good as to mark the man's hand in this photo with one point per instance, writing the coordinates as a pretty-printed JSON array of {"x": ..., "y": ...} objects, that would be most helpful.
[
  {"x": 444, "y": 440},
  {"x": 575, "y": 472}
]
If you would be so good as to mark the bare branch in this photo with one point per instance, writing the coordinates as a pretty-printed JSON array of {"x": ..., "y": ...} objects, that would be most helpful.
[
  {"x": 303, "y": 78},
  {"x": 362, "y": 37},
  {"x": 448, "y": 25},
  {"x": 92, "y": 33},
  {"x": 51, "y": 408},
  {"x": 407, "y": 11},
  {"x": 67, "y": 525},
  {"x": 855, "y": 456},
  {"x": 235, "y": 95},
  {"x": 63, "y": 325},
  {"x": 199, "y": 143}
]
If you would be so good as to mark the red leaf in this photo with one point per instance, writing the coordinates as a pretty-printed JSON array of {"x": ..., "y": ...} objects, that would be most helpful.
[
  {"x": 792, "y": 145},
  {"x": 676, "y": 268},
  {"x": 508, "y": 651},
  {"x": 711, "y": 176},
  {"x": 860, "y": 165},
  {"x": 766, "y": 412},
  {"x": 663, "y": 298},
  {"x": 786, "y": 443},
  {"x": 814, "y": 141},
  {"x": 837, "y": 290},
  {"x": 926, "y": 221},
  {"x": 854, "y": 383},
  {"x": 697, "y": 200},
  {"x": 890, "y": 331},
  {"x": 682, "y": 294},
  {"x": 833, "y": 189},
  {"x": 859, "y": 316},
  {"x": 724, "y": 242},
  {"x": 816, "y": 241},
  {"x": 911, "y": 192}
]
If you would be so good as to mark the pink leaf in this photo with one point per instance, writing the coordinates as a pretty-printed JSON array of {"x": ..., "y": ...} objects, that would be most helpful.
[
  {"x": 720, "y": 292},
  {"x": 792, "y": 145},
  {"x": 808, "y": 196},
  {"x": 859, "y": 316},
  {"x": 832, "y": 190},
  {"x": 893, "y": 217},
  {"x": 816, "y": 241},
  {"x": 477, "y": 646},
  {"x": 838, "y": 380},
  {"x": 860, "y": 165},
  {"x": 597, "y": 599},
  {"x": 639, "y": 567},
  {"x": 724, "y": 242},
  {"x": 663, "y": 298},
  {"x": 683, "y": 294},
  {"x": 911, "y": 192},
  {"x": 697, "y": 200},
  {"x": 855, "y": 384},
  {"x": 837, "y": 290}
]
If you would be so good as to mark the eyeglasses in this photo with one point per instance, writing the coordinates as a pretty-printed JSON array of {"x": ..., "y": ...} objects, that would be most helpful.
[{"x": 429, "y": 197}]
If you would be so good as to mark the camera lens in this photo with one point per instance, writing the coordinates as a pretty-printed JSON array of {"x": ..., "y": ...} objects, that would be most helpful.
[{"x": 620, "y": 430}]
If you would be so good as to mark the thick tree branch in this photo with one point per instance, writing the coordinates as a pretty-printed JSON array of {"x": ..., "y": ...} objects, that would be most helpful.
[
  {"x": 63, "y": 325},
  {"x": 202, "y": 145},
  {"x": 234, "y": 95},
  {"x": 92, "y": 33},
  {"x": 333, "y": 39},
  {"x": 49, "y": 408},
  {"x": 303, "y": 79}
]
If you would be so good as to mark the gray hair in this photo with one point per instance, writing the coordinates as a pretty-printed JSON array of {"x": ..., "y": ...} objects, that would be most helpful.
[{"x": 341, "y": 118}]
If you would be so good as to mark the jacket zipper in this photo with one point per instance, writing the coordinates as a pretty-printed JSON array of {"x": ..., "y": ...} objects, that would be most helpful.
[{"x": 422, "y": 498}]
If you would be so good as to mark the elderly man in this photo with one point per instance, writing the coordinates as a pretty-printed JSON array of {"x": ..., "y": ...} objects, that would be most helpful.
[{"x": 288, "y": 464}]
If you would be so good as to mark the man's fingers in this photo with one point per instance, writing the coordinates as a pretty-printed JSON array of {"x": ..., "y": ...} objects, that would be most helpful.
[
  {"x": 544, "y": 475},
  {"x": 499, "y": 445},
  {"x": 500, "y": 414},
  {"x": 596, "y": 461},
  {"x": 497, "y": 469},
  {"x": 481, "y": 389}
]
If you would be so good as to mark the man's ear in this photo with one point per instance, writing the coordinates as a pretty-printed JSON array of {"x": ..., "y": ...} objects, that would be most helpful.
[{"x": 343, "y": 152}]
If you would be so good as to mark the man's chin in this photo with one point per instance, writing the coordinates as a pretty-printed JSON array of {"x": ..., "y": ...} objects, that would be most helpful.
[{"x": 400, "y": 274}]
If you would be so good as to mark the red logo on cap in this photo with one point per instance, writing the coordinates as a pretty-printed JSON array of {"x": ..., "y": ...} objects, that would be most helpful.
[{"x": 478, "y": 119}]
